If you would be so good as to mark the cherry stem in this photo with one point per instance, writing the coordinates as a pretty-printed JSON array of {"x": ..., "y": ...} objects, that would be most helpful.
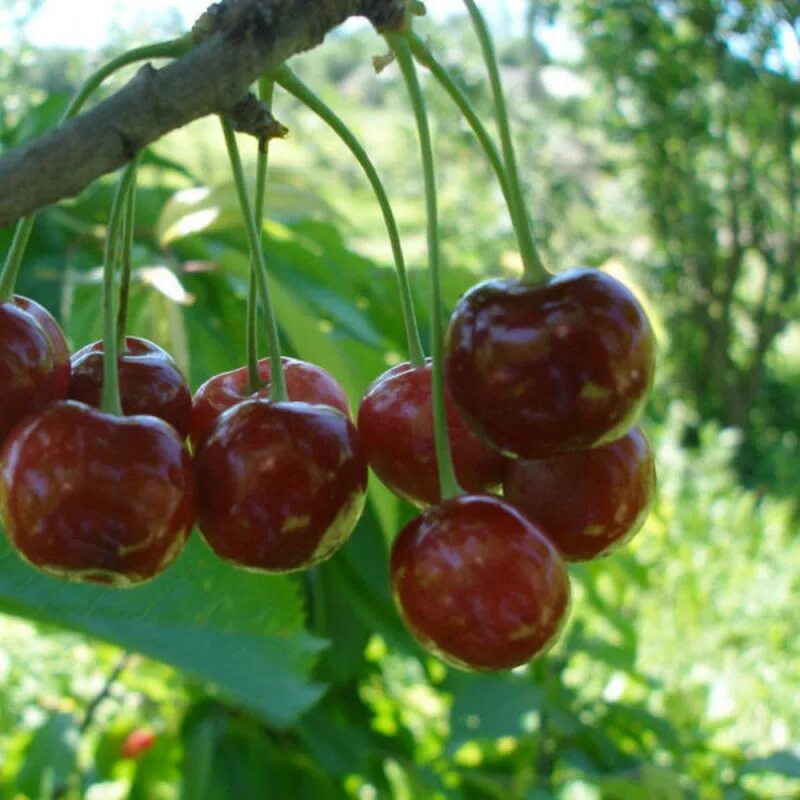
[
  {"x": 292, "y": 84},
  {"x": 444, "y": 459},
  {"x": 126, "y": 256},
  {"x": 425, "y": 57},
  {"x": 111, "y": 397},
  {"x": 172, "y": 48},
  {"x": 265, "y": 90},
  {"x": 277, "y": 390},
  {"x": 535, "y": 269}
]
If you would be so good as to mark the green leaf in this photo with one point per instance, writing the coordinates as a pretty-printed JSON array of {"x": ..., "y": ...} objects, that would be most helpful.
[
  {"x": 488, "y": 708},
  {"x": 50, "y": 758},
  {"x": 211, "y": 209},
  {"x": 239, "y": 631},
  {"x": 784, "y": 763}
]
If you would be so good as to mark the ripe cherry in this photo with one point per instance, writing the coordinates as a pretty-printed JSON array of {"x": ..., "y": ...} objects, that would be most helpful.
[
  {"x": 305, "y": 383},
  {"x": 280, "y": 485},
  {"x": 89, "y": 496},
  {"x": 478, "y": 584},
  {"x": 150, "y": 382},
  {"x": 395, "y": 426},
  {"x": 29, "y": 374},
  {"x": 548, "y": 368},
  {"x": 589, "y": 502},
  {"x": 57, "y": 340}
]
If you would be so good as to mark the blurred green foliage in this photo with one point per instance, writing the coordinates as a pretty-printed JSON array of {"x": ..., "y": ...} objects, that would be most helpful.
[{"x": 677, "y": 675}]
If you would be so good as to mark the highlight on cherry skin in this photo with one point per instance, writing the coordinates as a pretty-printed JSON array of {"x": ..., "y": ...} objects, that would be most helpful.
[
  {"x": 589, "y": 503},
  {"x": 280, "y": 486},
  {"x": 541, "y": 369},
  {"x": 150, "y": 382},
  {"x": 56, "y": 336},
  {"x": 395, "y": 426},
  {"x": 305, "y": 382},
  {"x": 92, "y": 497},
  {"x": 31, "y": 376},
  {"x": 478, "y": 584}
]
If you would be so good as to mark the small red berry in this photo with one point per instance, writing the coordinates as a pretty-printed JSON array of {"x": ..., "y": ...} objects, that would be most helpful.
[
  {"x": 305, "y": 383},
  {"x": 137, "y": 743},
  {"x": 149, "y": 382},
  {"x": 589, "y": 502},
  {"x": 280, "y": 486},
  {"x": 395, "y": 426},
  {"x": 548, "y": 368},
  {"x": 478, "y": 584},
  {"x": 89, "y": 496}
]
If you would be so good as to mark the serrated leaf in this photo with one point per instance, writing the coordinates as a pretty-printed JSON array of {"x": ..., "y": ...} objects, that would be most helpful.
[{"x": 241, "y": 632}]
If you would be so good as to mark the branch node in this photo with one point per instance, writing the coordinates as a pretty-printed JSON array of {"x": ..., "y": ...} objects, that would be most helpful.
[{"x": 253, "y": 117}]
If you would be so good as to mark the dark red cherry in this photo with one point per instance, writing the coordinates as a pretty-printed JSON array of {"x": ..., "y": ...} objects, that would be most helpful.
[
  {"x": 280, "y": 486},
  {"x": 149, "y": 382},
  {"x": 395, "y": 426},
  {"x": 29, "y": 378},
  {"x": 88, "y": 496},
  {"x": 589, "y": 502},
  {"x": 548, "y": 368},
  {"x": 478, "y": 584},
  {"x": 305, "y": 383},
  {"x": 57, "y": 340}
]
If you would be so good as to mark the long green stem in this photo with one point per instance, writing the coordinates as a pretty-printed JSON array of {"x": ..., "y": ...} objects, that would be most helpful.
[
  {"x": 534, "y": 266},
  {"x": 125, "y": 259},
  {"x": 447, "y": 476},
  {"x": 292, "y": 84},
  {"x": 172, "y": 48},
  {"x": 425, "y": 57},
  {"x": 111, "y": 398},
  {"x": 265, "y": 90},
  {"x": 277, "y": 392}
]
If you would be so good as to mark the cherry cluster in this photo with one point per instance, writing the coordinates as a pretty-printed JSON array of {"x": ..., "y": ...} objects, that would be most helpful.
[
  {"x": 544, "y": 382},
  {"x": 91, "y": 496},
  {"x": 543, "y": 386}
]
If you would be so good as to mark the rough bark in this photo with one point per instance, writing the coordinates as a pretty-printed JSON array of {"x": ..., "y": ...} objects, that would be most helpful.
[{"x": 241, "y": 39}]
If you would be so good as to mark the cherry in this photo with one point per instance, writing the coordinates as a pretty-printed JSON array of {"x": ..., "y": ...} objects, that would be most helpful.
[
  {"x": 280, "y": 485},
  {"x": 89, "y": 496},
  {"x": 149, "y": 382},
  {"x": 57, "y": 340},
  {"x": 306, "y": 383},
  {"x": 478, "y": 584},
  {"x": 395, "y": 426},
  {"x": 29, "y": 376},
  {"x": 548, "y": 368},
  {"x": 589, "y": 502},
  {"x": 137, "y": 743}
]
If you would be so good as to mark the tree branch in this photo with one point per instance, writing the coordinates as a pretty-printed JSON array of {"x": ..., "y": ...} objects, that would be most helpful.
[{"x": 241, "y": 39}]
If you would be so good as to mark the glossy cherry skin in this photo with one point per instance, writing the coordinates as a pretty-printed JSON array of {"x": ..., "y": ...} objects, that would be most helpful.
[
  {"x": 305, "y": 383},
  {"x": 478, "y": 584},
  {"x": 150, "y": 382},
  {"x": 88, "y": 496},
  {"x": 395, "y": 426},
  {"x": 29, "y": 377},
  {"x": 56, "y": 336},
  {"x": 549, "y": 368},
  {"x": 590, "y": 502},
  {"x": 280, "y": 486}
]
